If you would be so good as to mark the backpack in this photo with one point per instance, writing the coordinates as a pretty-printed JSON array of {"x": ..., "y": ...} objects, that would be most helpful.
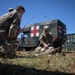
[{"x": 6, "y": 20}]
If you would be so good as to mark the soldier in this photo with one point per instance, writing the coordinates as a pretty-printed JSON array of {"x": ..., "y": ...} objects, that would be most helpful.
[
  {"x": 46, "y": 42},
  {"x": 10, "y": 28}
]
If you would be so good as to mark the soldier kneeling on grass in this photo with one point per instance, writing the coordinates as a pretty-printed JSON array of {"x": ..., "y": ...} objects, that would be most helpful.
[
  {"x": 46, "y": 43},
  {"x": 10, "y": 28}
]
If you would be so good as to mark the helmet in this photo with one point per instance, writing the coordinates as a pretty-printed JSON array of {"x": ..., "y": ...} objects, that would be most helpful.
[{"x": 46, "y": 28}]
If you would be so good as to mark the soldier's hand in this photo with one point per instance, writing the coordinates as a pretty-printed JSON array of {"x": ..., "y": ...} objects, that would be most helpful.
[{"x": 45, "y": 47}]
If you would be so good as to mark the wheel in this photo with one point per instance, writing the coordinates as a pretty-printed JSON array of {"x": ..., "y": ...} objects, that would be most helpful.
[{"x": 16, "y": 46}]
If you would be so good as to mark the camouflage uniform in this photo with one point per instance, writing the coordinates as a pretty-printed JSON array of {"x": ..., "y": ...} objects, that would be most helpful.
[
  {"x": 45, "y": 39},
  {"x": 9, "y": 28}
]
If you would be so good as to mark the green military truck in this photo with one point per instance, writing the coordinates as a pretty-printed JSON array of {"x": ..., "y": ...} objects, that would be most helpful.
[{"x": 30, "y": 34}]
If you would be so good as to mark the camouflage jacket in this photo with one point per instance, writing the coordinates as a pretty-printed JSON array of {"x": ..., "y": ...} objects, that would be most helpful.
[
  {"x": 46, "y": 39},
  {"x": 9, "y": 19}
]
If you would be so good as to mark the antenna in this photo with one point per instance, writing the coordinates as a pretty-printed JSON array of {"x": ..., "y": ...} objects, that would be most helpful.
[{"x": 33, "y": 18}]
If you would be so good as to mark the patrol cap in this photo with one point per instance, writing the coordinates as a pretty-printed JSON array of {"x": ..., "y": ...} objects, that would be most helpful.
[
  {"x": 20, "y": 7},
  {"x": 10, "y": 9}
]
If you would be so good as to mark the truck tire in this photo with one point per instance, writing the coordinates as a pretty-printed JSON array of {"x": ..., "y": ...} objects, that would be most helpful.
[{"x": 16, "y": 46}]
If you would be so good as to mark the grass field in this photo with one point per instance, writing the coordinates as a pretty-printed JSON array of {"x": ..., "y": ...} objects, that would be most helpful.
[{"x": 27, "y": 63}]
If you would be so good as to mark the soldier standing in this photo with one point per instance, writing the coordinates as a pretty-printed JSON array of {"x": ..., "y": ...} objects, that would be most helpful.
[
  {"x": 46, "y": 42},
  {"x": 10, "y": 28}
]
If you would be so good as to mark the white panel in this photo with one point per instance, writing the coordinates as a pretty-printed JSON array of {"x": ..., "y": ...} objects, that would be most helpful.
[
  {"x": 37, "y": 27},
  {"x": 32, "y": 35},
  {"x": 32, "y": 28},
  {"x": 37, "y": 34}
]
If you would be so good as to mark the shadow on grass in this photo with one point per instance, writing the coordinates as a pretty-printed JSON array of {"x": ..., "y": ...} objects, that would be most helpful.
[{"x": 8, "y": 69}]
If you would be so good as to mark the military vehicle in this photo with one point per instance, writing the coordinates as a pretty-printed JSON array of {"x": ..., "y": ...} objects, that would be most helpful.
[{"x": 30, "y": 34}]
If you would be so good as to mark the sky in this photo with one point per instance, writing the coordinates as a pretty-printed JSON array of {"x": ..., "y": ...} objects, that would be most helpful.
[{"x": 44, "y": 10}]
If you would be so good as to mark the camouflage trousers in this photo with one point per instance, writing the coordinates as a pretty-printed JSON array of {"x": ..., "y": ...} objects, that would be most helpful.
[
  {"x": 7, "y": 39},
  {"x": 43, "y": 51},
  {"x": 6, "y": 46}
]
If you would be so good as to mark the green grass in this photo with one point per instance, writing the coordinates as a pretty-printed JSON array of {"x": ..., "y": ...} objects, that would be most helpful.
[{"x": 41, "y": 65}]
